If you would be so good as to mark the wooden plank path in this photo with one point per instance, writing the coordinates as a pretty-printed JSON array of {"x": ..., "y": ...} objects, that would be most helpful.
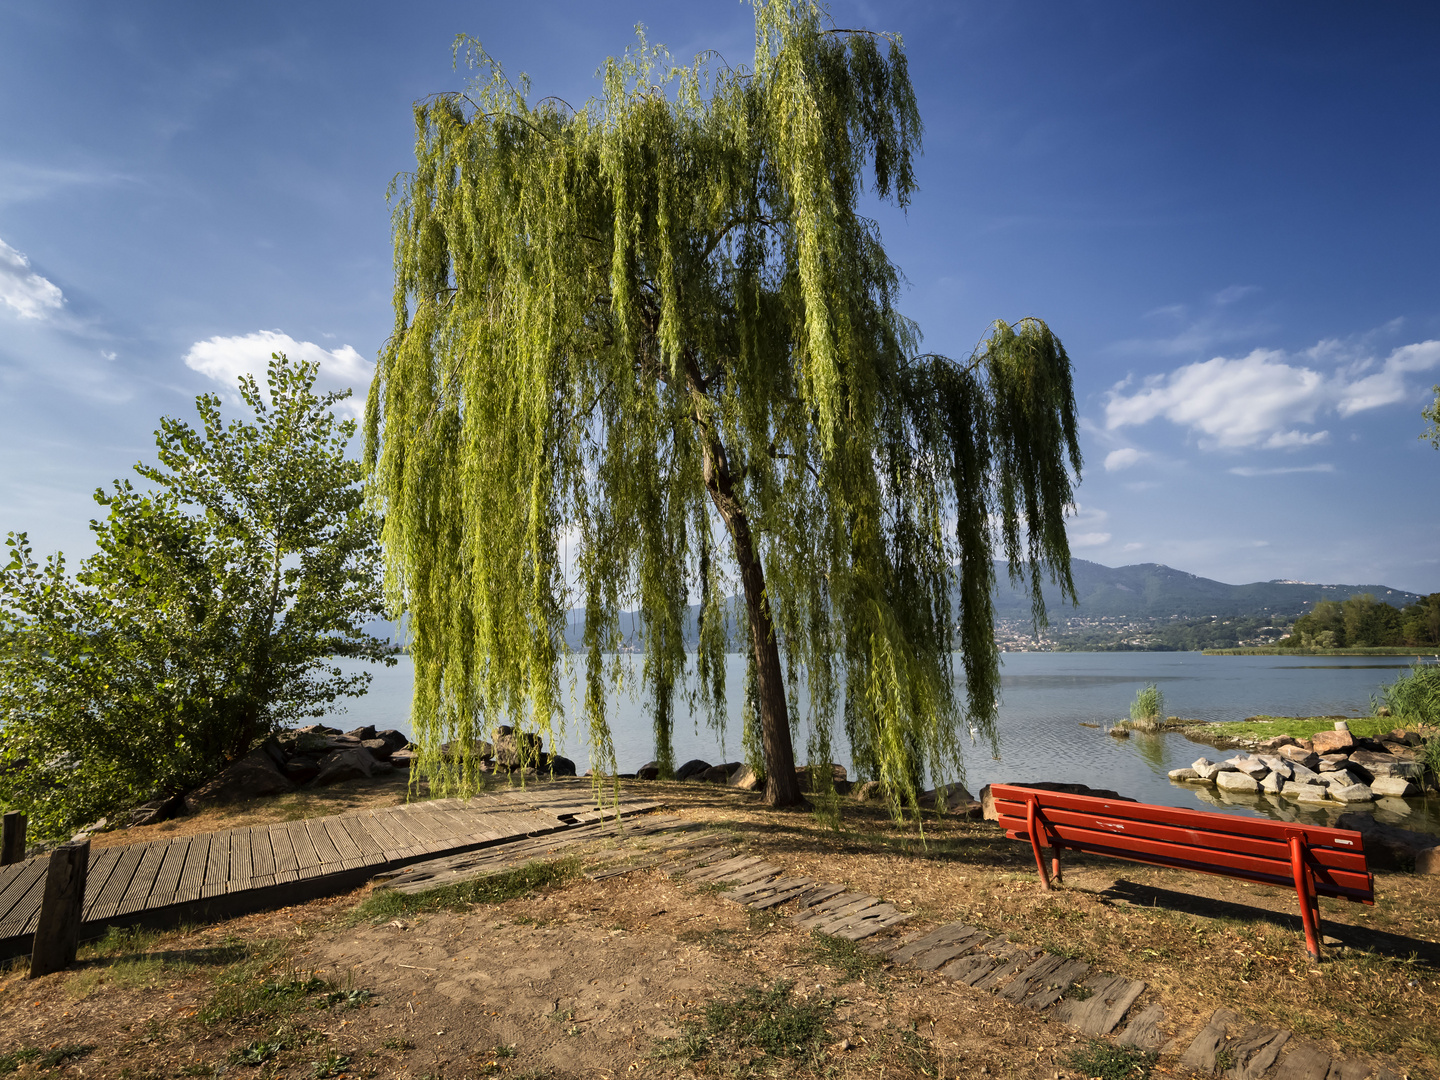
[{"x": 215, "y": 875}]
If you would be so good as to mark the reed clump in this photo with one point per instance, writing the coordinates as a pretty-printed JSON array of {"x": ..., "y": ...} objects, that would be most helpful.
[{"x": 1147, "y": 711}]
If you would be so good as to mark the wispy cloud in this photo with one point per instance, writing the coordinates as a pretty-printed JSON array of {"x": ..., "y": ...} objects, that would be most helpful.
[
  {"x": 1255, "y": 470},
  {"x": 225, "y": 359},
  {"x": 23, "y": 290},
  {"x": 1265, "y": 398},
  {"x": 1122, "y": 458}
]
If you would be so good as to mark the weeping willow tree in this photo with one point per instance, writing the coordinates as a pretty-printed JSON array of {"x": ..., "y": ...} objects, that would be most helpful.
[{"x": 658, "y": 332}]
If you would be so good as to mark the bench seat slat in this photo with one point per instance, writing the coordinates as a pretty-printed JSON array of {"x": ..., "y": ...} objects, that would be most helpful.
[{"x": 1209, "y": 839}]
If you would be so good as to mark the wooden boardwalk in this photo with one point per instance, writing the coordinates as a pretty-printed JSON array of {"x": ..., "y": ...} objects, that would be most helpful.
[{"x": 215, "y": 875}]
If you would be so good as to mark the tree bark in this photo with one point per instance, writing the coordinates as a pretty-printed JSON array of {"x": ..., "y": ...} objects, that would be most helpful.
[{"x": 782, "y": 785}]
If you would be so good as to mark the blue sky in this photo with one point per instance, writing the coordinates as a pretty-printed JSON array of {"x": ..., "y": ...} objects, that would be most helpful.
[{"x": 1228, "y": 212}]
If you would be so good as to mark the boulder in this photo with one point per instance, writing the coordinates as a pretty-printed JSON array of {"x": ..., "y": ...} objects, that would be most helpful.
[
  {"x": 1237, "y": 783},
  {"x": 1404, "y": 738},
  {"x": 745, "y": 779},
  {"x": 1331, "y": 762},
  {"x": 1327, "y": 742},
  {"x": 957, "y": 801},
  {"x": 649, "y": 771},
  {"x": 362, "y": 733},
  {"x": 403, "y": 759},
  {"x": 1353, "y": 793},
  {"x": 1279, "y": 765},
  {"x": 1277, "y": 742},
  {"x": 692, "y": 768},
  {"x": 344, "y": 765},
  {"x": 1272, "y": 783},
  {"x": 1388, "y": 847},
  {"x": 397, "y": 740},
  {"x": 720, "y": 774},
  {"x": 838, "y": 778},
  {"x": 1394, "y": 786},
  {"x": 250, "y": 777},
  {"x": 1427, "y": 861},
  {"x": 311, "y": 742},
  {"x": 869, "y": 791},
  {"x": 1184, "y": 776},
  {"x": 157, "y": 810},
  {"x": 379, "y": 749},
  {"x": 1301, "y": 775},
  {"x": 1252, "y": 767},
  {"x": 1206, "y": 769},
  {"x": 1301, "y": 756},
  {"x": 1305, "y": 793},
  {"x": 301, "y": 770},
  {"x": 558, "y": 765},
  {"x": 1378, "y": 765},
  {"x": 520, "y": 749}
]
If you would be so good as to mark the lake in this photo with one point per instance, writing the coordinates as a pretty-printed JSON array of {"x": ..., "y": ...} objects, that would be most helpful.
[{"x": 1045, "y": 699}]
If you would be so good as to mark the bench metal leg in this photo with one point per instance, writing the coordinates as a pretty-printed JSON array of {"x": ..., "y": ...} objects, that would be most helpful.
[
  {"x": 1032, "y": 825},
  {"x": 1309, "y": 901}
]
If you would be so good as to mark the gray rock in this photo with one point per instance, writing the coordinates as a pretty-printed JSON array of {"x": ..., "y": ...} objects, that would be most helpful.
[
  {"x": 720, "y": 774},
  {"x": 1352, "y": 794},
  {"x": 311, "y": 742},
  {"x": 1300, "y": 755},
  {"x": 1340, "y": 778},
  {"x": 649, "y": 771},
  {"x": 1205, "y": 768},
  {"x": 157, "y": 810},
  {"x": 745, "y": 779},
  {"x": 403, "y": 759},
  {"x": 342, "y": 765},
  {"x": 1305, "y": 793},
  {"x": 1184, "y": 775},
  {"x": 1331, "y": 762},
  {"x": 362, "y": 733},
  {"x": 518, "y": 749},
  {"x": 1272, "y": 783},
  {"x": 1395, "y": 786},
  {"x": 1252, "y": 767},
  {"x": 1279, "y": 765},
  {"x": 957, "y": 800},
  {"x": 559, "y": 765},
  {"x": 379, "y": 749},
  {"x": 1328, "y": 742},
  {"x": 396, "y": 739},
  {"x": 691, "y": 768},
  {"x": 1301, "y": 775},
  {"x": 869, "y": 791},
  {"x": 301, "y": 770},
  {"x": 250, "y": 777},
  {"x": 1238, "y": 782}
]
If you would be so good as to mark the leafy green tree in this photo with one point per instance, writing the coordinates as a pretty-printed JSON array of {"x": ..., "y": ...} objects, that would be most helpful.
[
  {"x": 658, "y": 329},
  {"x": 1432, "y": 414},
  {"x": 207, "y": 618}
]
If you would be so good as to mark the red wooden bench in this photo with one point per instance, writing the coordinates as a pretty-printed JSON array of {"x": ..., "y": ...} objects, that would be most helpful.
[{"x": 1314, "y": 861}]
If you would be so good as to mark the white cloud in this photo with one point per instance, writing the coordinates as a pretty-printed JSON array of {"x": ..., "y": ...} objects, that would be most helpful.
[
  {"x": 1252, "y": 470},
  {"x": 225, "y": 359},
  {"x": 1121, "y": 459},
  {"x": 21, "y": 288},
  {"x": 1258, "y": 400},
  {"x": 1132, "y": 547},
  {"x": 1089, "y": 539}
]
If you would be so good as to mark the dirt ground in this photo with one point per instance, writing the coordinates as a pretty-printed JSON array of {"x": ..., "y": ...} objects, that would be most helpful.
[{"x": 642, "y": 975}]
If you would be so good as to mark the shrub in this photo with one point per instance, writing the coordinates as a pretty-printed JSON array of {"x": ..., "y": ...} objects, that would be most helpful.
[{"x": 1147, "y": 711}]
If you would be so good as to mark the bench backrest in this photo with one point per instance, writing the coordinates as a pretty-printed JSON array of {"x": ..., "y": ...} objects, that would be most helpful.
[{"x": 1252, "y": 849}]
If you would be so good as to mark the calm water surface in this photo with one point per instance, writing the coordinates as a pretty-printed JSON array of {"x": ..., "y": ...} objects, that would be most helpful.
[{"x": 1045, "y": 699}]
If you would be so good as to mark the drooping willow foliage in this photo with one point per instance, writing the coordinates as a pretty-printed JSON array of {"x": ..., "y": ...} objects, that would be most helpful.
[{"x": 657, "y": 330}]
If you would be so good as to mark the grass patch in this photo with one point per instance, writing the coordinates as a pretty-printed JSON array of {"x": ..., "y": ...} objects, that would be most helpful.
[
  {"x": 262, "y": 989},
  {"x": 753, "y": 1032},
  {"x": 1299, "y": 727},
  {"x": 46, "y": 1059},
  {"x": 844, "y": 956},
  {"x": 1147, "y": 711},
  {"x": 385, "y": 904},
  {"x": 1105, "y": 1061}
]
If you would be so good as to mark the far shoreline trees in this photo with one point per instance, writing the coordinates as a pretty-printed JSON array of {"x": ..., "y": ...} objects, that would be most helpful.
[
  {"x": 657, "y": 332},
  {"x": 210, "y": 616}
]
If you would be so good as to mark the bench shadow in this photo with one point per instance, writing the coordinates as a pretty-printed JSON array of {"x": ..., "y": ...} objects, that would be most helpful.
[
  {"x": 1356, "y": 937},
  {"x": 208, "y": 956}
]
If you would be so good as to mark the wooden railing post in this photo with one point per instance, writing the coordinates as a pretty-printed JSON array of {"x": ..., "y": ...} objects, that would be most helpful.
[
  {"x": 12, "y": 848},
  {"x": 57, "y": 936}
]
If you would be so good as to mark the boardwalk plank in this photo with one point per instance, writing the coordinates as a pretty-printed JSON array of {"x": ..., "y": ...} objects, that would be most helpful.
[
  {"x": 137, "y": 893},
  {"x": 282, "y": 846},
  {"x": 325, "y": 849},
  {"x": 348, "y": 849},
  {"x": 262, "y": 855},
  {"x": 386, "y": 832},
  {"x": 22, "y": 896},
  {"x": 118, "y": 884},
  {"x": 167, "y": 878},
  {"x": 192, "y": 874},
  {"x": 241, "y": 872},
  {"x": 217, "y": 864},
  {"x": 102, "y": 865},
  {"x": 306, "y": 855}
]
